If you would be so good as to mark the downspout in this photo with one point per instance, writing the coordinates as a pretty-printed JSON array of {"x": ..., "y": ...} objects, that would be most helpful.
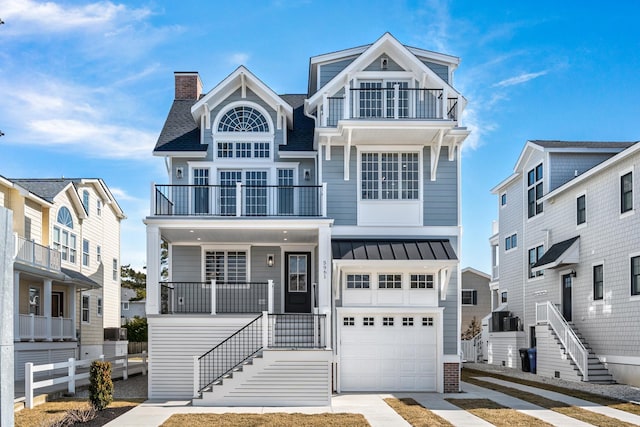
[{"x": 166, "y": 165}]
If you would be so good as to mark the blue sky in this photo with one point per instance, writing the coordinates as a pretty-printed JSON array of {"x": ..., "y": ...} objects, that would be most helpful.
[{"x": 86, "y": 85}]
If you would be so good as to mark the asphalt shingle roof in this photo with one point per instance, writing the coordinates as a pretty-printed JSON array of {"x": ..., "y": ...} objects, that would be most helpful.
[
  {"x": 555, "y": 252},
  {"x": 582, "y": 144},
  {"x": 79, "y": 277},
  {"x": 180, "y": 131},
  {"x": 46, "y": 188}
]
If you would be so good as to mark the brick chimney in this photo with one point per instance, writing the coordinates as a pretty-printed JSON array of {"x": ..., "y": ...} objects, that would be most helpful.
[{"x": 188, "y": 85}]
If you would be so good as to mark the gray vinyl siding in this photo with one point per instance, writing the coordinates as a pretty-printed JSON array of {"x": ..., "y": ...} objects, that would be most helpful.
[
  {"x": 186, "y": 264},
  {"x": 470, "y": 280},
  {"x": 451, "y": 334},
  {"x": 42, "y": 356},
  {"x": 441, "y": 195},
  {"x": 548, "y": 362},
  {"x": 261, "y": 273},
  {"x": 342, "y": 196},
  {"x": 330, "y": 70},
  {"x": 177, "y": 162},
  {"x": 376, "y": 65},
  {"x": 237, "y": 96},
  {"x": 563, "y": 166},
  {"x": 441, "y": 70}
]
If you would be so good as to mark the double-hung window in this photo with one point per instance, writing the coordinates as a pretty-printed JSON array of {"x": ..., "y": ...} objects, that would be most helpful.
[
  {"x": 626, "y": 192},
  {"x": 85, "y": 252},
  {"x": 511, "y": 242},
  {"x": 85, "y": 201},
  {"x": 114, "y": 271},
  {"x": 534, "y": 255},
  {"x": 85, "y": 308},
  {"x": 534, "y": 191},
  {"x": 389, "y": 176},
  {"x": 598, "y": 282},
  {"x": 635, "y": 275},
  {"x": 469, "y": 297},
  {"x": 226, "y": 266},
  {"x": 581, "y": 209},
  {"x": 64, "y": 240}
]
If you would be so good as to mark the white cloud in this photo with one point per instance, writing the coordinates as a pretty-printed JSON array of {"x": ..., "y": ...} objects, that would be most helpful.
[
  {"x": 32, "y": 17},
  {"x": 519, "y": 79},
  {"x": 238, "y": 58},
  {"x": 120, "y": 194},
  {"x": 479, "y": 127}
]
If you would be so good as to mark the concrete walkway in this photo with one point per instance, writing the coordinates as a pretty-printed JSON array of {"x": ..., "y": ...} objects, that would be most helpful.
[
  {"x": 372, "y": 406},
  {"x": 584, "y": 404}
]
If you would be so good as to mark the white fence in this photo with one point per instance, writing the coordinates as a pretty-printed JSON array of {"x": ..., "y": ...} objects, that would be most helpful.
[
  {"x": 472, "y": 349},
  {"x": 119, "y": 363}
]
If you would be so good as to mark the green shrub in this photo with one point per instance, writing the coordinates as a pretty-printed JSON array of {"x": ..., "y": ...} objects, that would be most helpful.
[
  {"x": 137, "y": 329},
  {"x": 100, "y": 386}
]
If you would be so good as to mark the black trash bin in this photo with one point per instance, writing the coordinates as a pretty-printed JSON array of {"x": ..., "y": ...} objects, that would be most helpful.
[{"x": 524, "y": 359}]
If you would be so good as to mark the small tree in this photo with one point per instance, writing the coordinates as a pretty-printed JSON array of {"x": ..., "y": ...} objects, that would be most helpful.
[
  {"x": 473, "y": 329},
  {"x": 100, "y": 386}
]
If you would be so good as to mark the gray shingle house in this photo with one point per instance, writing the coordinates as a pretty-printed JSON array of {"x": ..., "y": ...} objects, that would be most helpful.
[{"x": 313, "y": 238}]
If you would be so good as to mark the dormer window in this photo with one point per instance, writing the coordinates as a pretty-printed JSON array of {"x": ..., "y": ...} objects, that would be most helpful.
[{"x": 243, "y": 132}]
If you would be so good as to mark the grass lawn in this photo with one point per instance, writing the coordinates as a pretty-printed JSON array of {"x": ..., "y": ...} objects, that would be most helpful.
[
  {"x": 416, "y": 414},
  {"x": 47, "y": 413},
  {"x": 595, "y": 398},
  {"x": 497, "y": 414},
  {"x": 560, "y": 407},
  {"x": 266, "y": 420}
]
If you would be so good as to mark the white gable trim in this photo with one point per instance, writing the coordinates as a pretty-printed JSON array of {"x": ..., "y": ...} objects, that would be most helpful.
[
  {"x": 242, "y": 79},
  {"x": 387, "y": 44}
]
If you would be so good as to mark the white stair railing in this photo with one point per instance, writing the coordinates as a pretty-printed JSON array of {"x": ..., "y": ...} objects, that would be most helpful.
[{"x": 548, "y": 313}]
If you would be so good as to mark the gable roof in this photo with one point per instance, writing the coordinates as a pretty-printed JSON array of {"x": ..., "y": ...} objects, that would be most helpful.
[
  {"x": 180, "y": 131},
  {"x": 241, "y": 78},
  {"x": 395, "y": 50}
]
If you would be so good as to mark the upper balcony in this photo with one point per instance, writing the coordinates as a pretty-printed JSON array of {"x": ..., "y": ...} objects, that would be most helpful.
[
  {"x": 239, "y": 200},
  {"x": 32, "y": 253},
  {"x": 390, "y": 103}
]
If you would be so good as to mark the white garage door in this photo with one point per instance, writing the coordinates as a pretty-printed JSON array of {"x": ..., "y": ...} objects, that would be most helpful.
[{"x": 388, "y": 353}]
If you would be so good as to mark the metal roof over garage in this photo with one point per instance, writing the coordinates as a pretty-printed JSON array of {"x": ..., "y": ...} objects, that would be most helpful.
[{"x": 394, "y": 250}]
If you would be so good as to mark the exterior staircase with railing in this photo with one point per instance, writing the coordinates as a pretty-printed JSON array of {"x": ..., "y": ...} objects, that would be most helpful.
[
  {"x": 275, "y": 358},
  {"x": 572, "y": 346}
]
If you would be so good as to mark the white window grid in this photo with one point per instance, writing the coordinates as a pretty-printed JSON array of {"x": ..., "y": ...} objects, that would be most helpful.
[
  {"x": 243, "y": 150},
  {"x": 99, "y": 309},
  {"x": 348, "y": 321},
  {"x": 407, "y": 321},
  {"x": 403, "y": 99},
  {"x": 243, "y": 119},
  {"x": 421, "y": 281},
  {"x": 65, "y": 242},
  {"x": 261, "y": 150},
  {"x": 256, "y": 193},
  {"x": 98, "y": 254},
  {"x": 85, "y": 308},
  {"x": 389, "y": 281},
  {"x": 370, "y": 99},
  {"x": 387, "y": 321},
  {"x": 368, "y": 321},
  {"x": 99, "y": 207},
  {"x": 358, "y": 281},
  {"x": 85, "y": 252},
  {"x": 115, "y": 269},
  {"x": 389, "y": 176},
  {"x": 427, "y": 321},
  {"x": 534, "y": 191},
  {"x": 226, "y": 266},
  {"x": 225, "y": 150}
]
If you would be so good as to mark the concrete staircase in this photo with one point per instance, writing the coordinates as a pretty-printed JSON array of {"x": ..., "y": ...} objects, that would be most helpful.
[{"x": 598, "y": 373}]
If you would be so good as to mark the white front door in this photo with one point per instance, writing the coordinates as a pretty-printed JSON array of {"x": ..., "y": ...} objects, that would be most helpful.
[{"x": 388, "y": 352}]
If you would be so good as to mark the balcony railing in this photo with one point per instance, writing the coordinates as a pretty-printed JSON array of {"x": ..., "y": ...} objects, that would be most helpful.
[
  {"x": 30, "y": 252},
  {"x": 227, "y": 297},
  {"x": 240, "y": 200},
  {"x": 389, "y": 103},
  {"x": 33, "y": 328}
]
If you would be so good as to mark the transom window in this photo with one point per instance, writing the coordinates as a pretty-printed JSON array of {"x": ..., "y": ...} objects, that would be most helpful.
[
  {"x": 244, "y": 150},
  {"x": 226, "y": 266},
  {"x": 422, "y": 281},
  {"x": 64, "y": 217},
  {"x": 243, "y": 119},
  {"x": 390, "y": 281},
  {"x": 389, "y": 176},
  {"x": 534, "y": 192},
  {"x": 357, "y": 281}
]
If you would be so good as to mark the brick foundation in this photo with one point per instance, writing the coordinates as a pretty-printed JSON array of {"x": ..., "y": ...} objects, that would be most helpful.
[{"x": 451, "y": 377}]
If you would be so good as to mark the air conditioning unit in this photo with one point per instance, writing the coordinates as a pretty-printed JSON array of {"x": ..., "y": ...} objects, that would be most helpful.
[
  {"x": 497, "y": 320},
  {"x": 510, "y": 324},
  {"x": 115, "y": 334}
]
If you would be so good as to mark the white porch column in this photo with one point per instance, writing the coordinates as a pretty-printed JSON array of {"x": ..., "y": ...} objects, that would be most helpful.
[
  {"x": 153, "y": 269},
  {"x": 72, "y": 308},
  {"x": 16, "y": 305},
  {"x": 324, "y": 268},
  {"x": 47, "y": 309}
]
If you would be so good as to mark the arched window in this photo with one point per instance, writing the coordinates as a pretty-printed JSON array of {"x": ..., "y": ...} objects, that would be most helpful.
[
  {"x": 243, "y": 119},
  {"x": 64, "y": 217}
]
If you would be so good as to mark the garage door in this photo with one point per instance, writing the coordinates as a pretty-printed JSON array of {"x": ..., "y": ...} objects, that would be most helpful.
[{"x": 388, "y": 353}]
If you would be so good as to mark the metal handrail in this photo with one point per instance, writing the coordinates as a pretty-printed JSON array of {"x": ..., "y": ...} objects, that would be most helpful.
[
  {"x": 224, "y": 358},
  {"x": 548, "y": 313}
]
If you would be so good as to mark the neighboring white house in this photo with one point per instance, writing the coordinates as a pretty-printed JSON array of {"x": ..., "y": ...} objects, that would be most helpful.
[
  {"x": 66, "y": 279},
  {"x": 567, "y": 261},
  {"x": 319, "y": 231},
  {"x": 130, "y": 309}
]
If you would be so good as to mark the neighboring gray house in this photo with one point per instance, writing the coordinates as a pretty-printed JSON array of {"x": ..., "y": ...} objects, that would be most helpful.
[
  {"x": 475, "y": 298},
  {"x": 130, "y": 309},
  {"x": 567, "y": 255},
  {"x": 319, "y": 231}
]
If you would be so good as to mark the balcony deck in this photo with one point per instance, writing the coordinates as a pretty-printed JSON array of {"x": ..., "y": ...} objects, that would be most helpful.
[{"x": 32, "y": 253}]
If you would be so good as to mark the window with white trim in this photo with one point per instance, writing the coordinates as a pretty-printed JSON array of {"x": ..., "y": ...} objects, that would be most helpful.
[
  {"x": 387, "y": 321},
  {"x": 626, "y": 192},
  {"x": 503, "y": 199},
  {"x": 348, "y": 321},
  {"x": 85, "y": 252},
  {"x": 534, "y": 256},
  {"x": 99, "y": 311},
  {"x": 598, "y": 282},
  {"x": 99, "y": 207},
  {"x": 427, "y": 321},
  {"x": 368, "y": 321},
  {"x": 125, "y": 306},
  {"x": 114, "y": 271},
  {"x": 389, "y": 281},
  {"x": 63, "y": 239},
  {"x": 226, "y": 266},
  {"x": 534, "y": 191},
  {"x": 635, "y": 275},
  {"x": 511, "y": 242},
  {"x": 85, "y": 308},
  {"x": 85, "y": 201},
  {"x": 358, "y": 281},
  {"x": 389, "y": 176},
  {"x": 469, "y": 297},
  {"x": 243, "y": 119},
  {"x": 503, "y": 297},
  {"x": 98, "y": 254},
  {"x": 407, "y": 321},
  {"x": 581, "y": 210},
  {"x": 421, "y": 281}
]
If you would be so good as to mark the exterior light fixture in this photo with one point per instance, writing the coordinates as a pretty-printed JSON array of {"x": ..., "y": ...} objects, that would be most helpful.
[
  {"x": 270, "y": 260},
  {"x": 573, "y": 273}
]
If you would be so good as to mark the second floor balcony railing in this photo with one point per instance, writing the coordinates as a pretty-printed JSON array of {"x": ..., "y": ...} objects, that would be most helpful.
[
  {"x": 239, "y": 200},
  {"x": 30, "y": 252},
  {"x": 389, "y": 103}
]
